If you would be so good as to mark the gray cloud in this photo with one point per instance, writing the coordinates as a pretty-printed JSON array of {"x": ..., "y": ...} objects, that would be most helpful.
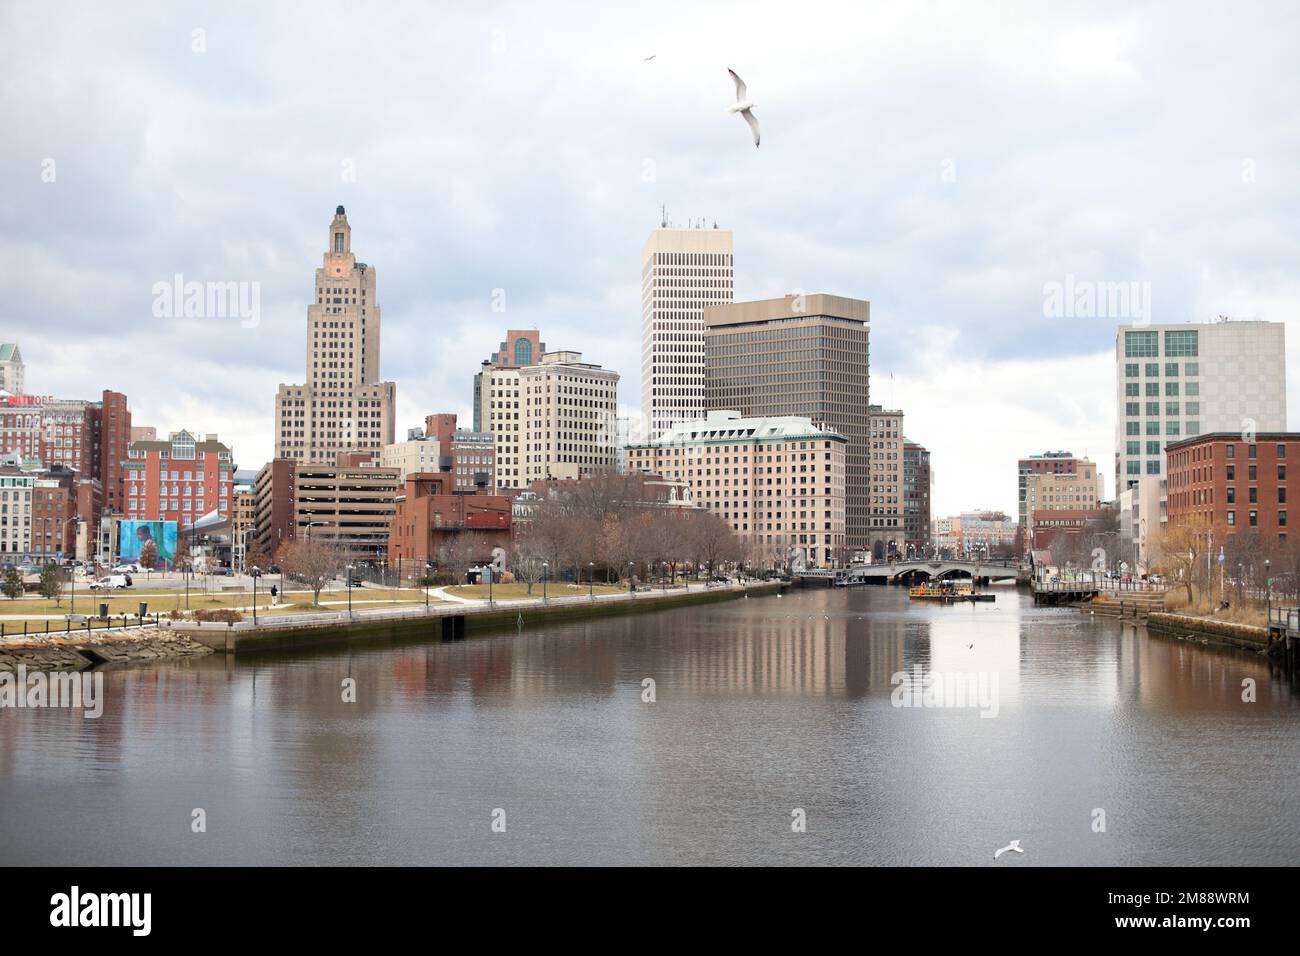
[{"x": 507, "y": 147}]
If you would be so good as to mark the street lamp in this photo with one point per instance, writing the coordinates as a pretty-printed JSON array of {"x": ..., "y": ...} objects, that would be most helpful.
[
  {"x": 545, "y": 568},
  {"x": 591, "y": 580},
  {"x": 72, "y": 609},
  {"x": 255, "y": 599},
  {"x": 1268, "y": 586},
  {"x": 350, "y": 592},
  {"x": 630, "y": 566}
]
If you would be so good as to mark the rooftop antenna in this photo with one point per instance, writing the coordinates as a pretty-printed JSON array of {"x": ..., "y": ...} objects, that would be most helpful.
[{"x": 663, "y": 217}]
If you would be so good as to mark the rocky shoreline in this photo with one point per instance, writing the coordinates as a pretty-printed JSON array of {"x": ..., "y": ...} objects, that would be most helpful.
[{"x": 70, "y": 655}]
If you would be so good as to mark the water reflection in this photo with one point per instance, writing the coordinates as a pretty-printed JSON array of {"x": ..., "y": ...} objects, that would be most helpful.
[{"x": 762, "y": 706}]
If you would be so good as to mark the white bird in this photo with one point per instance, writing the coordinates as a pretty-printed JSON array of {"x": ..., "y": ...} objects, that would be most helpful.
[
  {"x": 1015, "y": 845},
  {"x": 743, "y": 105}
]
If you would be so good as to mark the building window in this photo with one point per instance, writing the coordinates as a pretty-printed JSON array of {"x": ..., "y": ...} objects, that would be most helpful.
[
  {"x": 1181, "y": 343},
  {"x": 1254, "y": 519},
  {"x": 1131, "y": 370},
  {"x": 1131, "y": 389},
  {"x": 1141, "y": 344},
  {"x": 1153, "y": 467},
  {"x": 1171, "y": 370},
  {"x": 1232, "y": 518}
]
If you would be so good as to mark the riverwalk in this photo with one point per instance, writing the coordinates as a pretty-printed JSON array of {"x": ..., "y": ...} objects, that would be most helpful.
[{"x": 450, "y": 619}]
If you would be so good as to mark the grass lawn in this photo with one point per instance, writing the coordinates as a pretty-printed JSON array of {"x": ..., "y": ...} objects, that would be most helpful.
[{"x": 512, "y": 592}]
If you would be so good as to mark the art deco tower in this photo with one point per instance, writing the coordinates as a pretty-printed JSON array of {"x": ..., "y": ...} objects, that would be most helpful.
[{"x": 343, "y": 406}]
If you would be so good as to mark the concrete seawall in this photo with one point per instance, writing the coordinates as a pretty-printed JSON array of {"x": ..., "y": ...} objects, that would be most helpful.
[
  {"x": 1201, "y": 629},
  {"x": 445, "y": 621}
]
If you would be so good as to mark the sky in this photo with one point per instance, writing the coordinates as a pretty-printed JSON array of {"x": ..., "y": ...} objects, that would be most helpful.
[{"x": 946, "y": 162}]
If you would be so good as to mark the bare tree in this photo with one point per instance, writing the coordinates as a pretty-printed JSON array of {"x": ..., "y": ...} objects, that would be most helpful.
[{"x": 312, "y": 562}]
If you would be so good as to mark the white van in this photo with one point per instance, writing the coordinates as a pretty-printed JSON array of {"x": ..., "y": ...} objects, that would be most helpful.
[{"x": 111, "y": 582}]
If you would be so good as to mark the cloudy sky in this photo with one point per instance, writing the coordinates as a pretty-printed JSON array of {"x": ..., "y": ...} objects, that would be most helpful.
[{"x": 944, "y": 161}]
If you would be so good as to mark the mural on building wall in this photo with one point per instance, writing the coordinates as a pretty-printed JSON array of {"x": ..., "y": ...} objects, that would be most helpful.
[{"x": 150, "y": 543}]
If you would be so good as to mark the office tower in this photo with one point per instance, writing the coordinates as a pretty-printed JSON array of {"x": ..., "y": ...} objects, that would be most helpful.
[
  {"x": 683, "y": 271},
  {"x": 343, "y": 406},
  {"x": 1178, "y": 381},
  {"x": 916, "y": 497},
  {"x": 497, "y": 408},
  {"x": 800, "y": 355},
  {"x": 569, "y": 409},
  {"x": 885, "y": 534}
]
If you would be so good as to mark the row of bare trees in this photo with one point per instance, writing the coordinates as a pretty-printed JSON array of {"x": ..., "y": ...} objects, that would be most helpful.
[
  {"x": 611, "y": 527},
  {"x": 1253, "y": 564}
]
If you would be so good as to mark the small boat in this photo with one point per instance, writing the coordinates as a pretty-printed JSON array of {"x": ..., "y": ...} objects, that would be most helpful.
[{"x": 947, "y": 591}]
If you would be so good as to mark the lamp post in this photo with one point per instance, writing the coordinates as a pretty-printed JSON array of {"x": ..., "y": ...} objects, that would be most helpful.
[
  {"x": 591, "y": 580},
  {"x": 491, "y": 575},
  {"x": 630, "y": 590},
  {"x": 72, "y": 609},
  {"x": 349, "y": 572},
  {"x": 255, "y": 600},
  {"x": 546, "y": 567},
  {"x": 1268, "y": 588}
]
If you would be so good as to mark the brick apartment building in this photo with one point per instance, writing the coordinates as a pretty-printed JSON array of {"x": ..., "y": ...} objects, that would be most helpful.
[{"x": 1226, "y": 482}]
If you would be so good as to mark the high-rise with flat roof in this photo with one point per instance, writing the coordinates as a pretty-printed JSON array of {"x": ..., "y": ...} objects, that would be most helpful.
[
  {"x": 343, "y": 406},
  {"x": 916, "y": 497},
  {"x": 570, "y": 410},
  {"x": 802, "y": 355},
  {"x": 682, "y": 272},
  {"x": 1173, "y": 382},
  {"x": 497, "y": 406}
]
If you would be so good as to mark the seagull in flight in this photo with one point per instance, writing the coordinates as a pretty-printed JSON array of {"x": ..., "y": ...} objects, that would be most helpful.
[
  {"x": 650, "y": 57},
  {"x": 1015, "y": 845},
  {"x": 743, "y": 106}
]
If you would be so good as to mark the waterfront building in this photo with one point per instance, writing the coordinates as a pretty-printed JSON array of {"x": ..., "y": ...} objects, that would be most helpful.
[
  {"x": 1059, "y": 463},
  {"x": 1175, "y": 382},
  {"x": 683, "y": 271},
  {"x": 47, "y": 515},
  {"x": 1235, "y": 484},
  {"x": 806, "y": 356},
  {"x": 778, "y": 481},
  {"x": 343, "y": 406}
]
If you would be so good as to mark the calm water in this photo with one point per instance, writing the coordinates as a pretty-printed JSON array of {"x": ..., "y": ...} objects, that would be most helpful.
[{"x": 763, "y": 705}]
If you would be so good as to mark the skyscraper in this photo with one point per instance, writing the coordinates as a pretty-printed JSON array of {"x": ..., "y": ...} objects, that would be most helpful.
[
  {"x": 343, "y": 406},
  {"x": 800, "y": 355},
  {"x": 497, "y": 407},
  {"x": 682, "y": 272},
  {"x": 1178, "y": 381},
  {"x": 886, "y": 532},
  {"x": 916, "y": 497}
]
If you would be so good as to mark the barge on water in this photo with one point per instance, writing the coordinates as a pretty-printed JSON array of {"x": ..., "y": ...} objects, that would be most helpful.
[{"x": 947, "y": 592}]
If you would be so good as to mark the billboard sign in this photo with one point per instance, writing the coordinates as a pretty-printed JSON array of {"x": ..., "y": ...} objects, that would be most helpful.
[{"x": 152, "y": 544}]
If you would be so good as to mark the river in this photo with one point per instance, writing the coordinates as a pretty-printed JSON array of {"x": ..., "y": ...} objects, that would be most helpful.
[{"x": 774, "y": 736}]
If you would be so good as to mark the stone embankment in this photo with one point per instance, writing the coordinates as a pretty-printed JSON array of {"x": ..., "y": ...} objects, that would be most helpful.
[{"x": 69, "y": 655}]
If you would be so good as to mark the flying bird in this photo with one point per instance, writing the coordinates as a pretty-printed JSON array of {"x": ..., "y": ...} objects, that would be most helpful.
[
  {"x": 650, "y": 57},
  {"x": 1015, "y": 845},
  {"x": 743, "y": 106}
]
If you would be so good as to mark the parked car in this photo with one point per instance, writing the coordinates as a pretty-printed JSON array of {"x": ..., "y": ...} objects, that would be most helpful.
[
  {"x": 111, "y": 582},
  {"x": 127, "y": 569},
  {"x": 223, "y": 572}
]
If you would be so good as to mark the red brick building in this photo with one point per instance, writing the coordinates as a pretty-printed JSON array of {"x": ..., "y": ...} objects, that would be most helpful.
[
  {"x": 427, "y": 518},
  {"x": 1224, "y": 481},
  {"x": 180, "y": 479},
  {"x": 1050, "y": 524}
]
